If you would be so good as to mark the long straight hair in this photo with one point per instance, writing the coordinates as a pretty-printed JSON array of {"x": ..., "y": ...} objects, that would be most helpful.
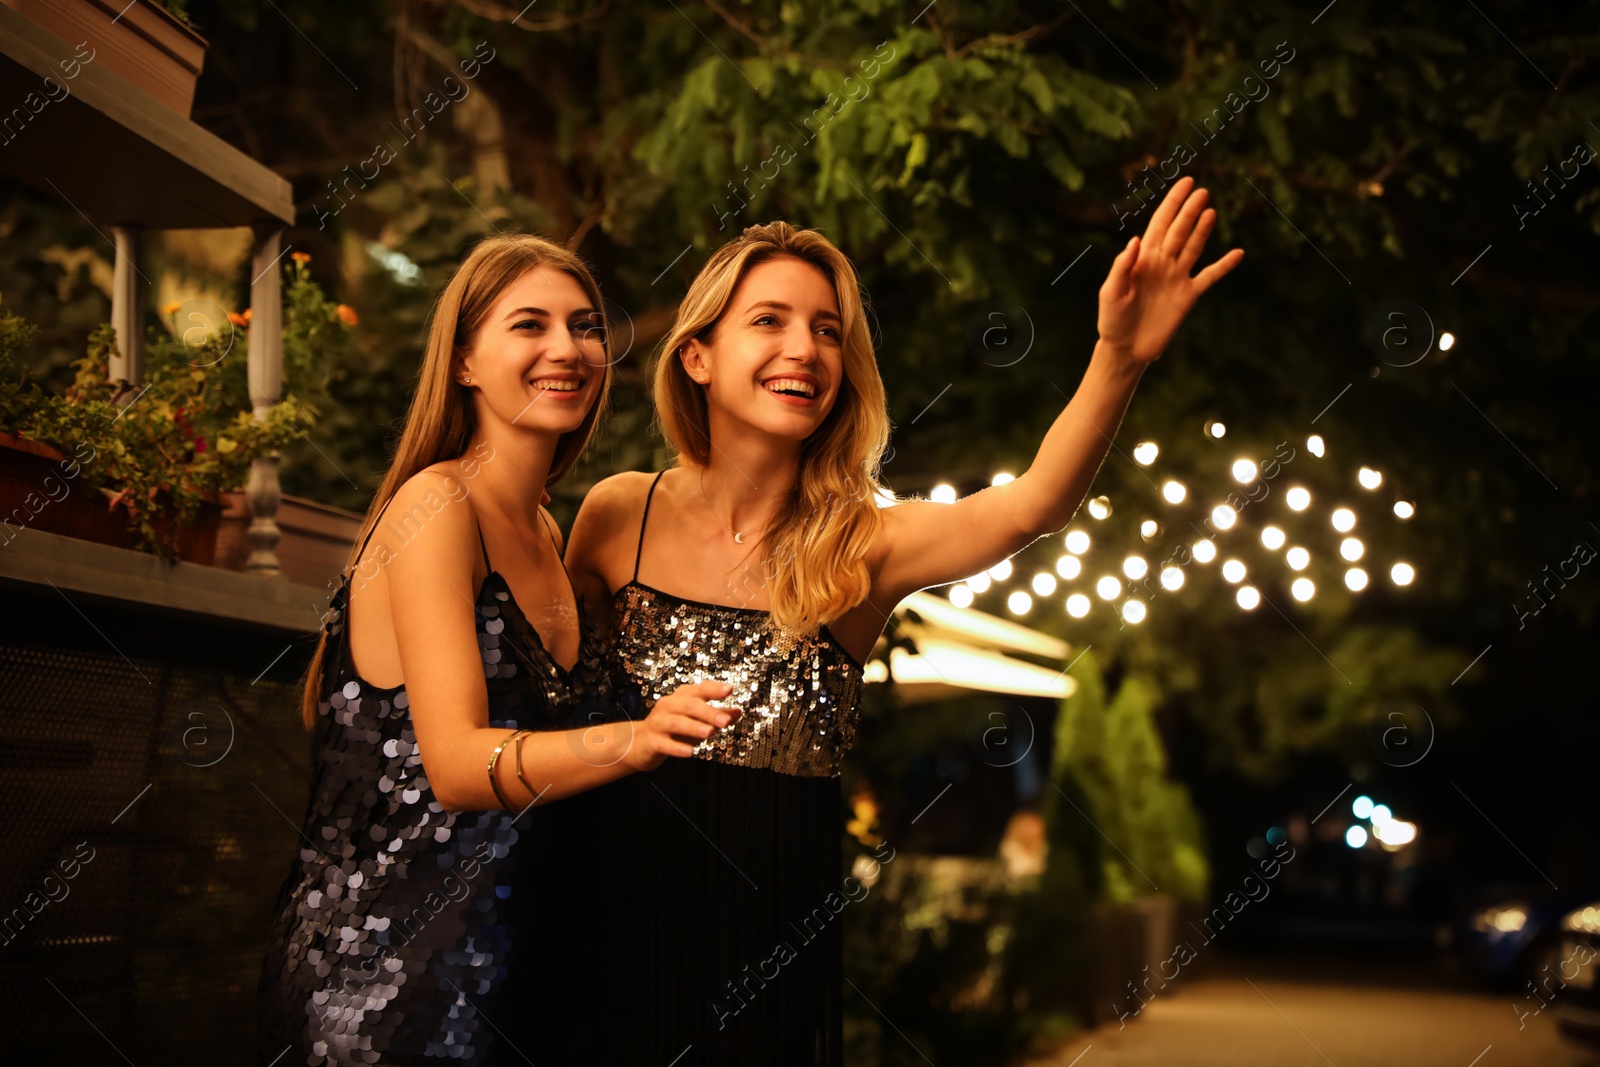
[
  {"x": 441, "y": 420},
  {"x": 815, "y": 549}
]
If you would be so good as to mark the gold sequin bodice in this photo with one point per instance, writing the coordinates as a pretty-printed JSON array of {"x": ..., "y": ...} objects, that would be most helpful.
[{"x": 801, "y": 696}]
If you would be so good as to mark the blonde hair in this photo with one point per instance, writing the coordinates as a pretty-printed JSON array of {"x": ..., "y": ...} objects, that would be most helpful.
[
  {"x": 816, "y": 547},
  {"x": 441, "y": 420}
]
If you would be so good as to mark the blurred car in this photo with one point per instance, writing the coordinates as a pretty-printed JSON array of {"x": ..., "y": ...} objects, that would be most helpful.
[
  {"x": 1578, "y": 1006},
  {"x": 1508, "y": 940}
]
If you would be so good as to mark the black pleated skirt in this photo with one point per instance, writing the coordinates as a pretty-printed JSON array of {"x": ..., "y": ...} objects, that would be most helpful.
[{"x": 696, "y": 921}]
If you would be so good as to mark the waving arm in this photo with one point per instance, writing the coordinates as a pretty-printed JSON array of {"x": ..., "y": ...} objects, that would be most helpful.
[{"x": 1144, "y": 299}]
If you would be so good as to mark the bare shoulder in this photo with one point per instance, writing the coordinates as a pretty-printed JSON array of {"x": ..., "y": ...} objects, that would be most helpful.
[
  {"x": 429, "y": 511},
  {"x": 608, "y": 522}
]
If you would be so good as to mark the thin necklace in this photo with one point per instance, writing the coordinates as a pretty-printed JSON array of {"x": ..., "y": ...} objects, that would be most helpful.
[{"x": 738, "y": 537}]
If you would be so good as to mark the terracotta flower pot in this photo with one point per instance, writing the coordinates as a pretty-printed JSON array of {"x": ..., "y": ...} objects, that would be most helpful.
[
  {"x": 41, "y": 489},
  {"x": 139, "y": 41}
]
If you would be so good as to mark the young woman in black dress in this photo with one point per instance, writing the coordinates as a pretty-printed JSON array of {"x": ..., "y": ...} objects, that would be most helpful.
[
  {"x": 454, "y": 698},
  {"x": 764, "y": 556}
]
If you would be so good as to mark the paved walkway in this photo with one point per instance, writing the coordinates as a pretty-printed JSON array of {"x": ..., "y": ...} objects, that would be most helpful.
[{"x": 1245, "y": 1019}]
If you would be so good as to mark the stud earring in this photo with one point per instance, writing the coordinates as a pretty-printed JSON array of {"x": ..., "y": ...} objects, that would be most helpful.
[{"x": 466, "y": 381}]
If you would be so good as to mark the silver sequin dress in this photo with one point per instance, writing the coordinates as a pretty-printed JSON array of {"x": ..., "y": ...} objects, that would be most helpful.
[
  {"x": 727, "y": 940},
  {"x": 392, "y": 936}
]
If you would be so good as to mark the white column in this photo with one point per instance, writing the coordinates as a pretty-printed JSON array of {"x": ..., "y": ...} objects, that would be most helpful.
[
  {"x": 266, "y": 384},
  {"x": 127, "y": 311}
]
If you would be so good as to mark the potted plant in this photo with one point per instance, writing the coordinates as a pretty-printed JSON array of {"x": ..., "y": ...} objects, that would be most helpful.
[
  {"x": 152, "y": 466},
  {"x": 153, "y": 45}
]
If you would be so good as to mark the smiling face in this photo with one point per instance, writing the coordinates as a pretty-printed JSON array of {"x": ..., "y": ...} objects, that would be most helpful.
[
  {"x": 537, "y": 359},
  {"x": 775, "y": 360}
]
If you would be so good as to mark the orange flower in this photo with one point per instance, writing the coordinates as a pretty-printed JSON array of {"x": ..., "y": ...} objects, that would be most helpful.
[
  {"x": 347, "y": 315},
  {"x": 172, "y": 308},
  {"x": 300, "y": 257},
  {"x": 237, "y": 319}
]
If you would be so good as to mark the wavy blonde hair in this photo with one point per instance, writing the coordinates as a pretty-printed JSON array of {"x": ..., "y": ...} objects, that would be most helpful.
[
  {"x": 816, "y": 547},
  {"x": 441, "y": 420}
]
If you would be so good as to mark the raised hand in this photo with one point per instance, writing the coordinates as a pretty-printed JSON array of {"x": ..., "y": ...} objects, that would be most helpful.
[{"x": 1149, "y": 291}]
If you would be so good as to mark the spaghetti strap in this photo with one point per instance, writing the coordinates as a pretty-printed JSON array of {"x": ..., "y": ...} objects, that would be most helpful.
[
  {"x": 550, "y": 527},
  {"x": 639, "y": 554},
  {"x": 486, "y": 564}
]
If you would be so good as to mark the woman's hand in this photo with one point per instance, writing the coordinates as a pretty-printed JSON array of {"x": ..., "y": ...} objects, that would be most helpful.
[
  {"x": 682, "y": 714},
  {"x": 1149, "y": 291}
]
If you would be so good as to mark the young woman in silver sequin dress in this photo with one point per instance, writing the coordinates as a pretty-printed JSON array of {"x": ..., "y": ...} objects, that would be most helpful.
[
  {"x": 465, "y": 687},
  {"x": 765, "y": 555}
]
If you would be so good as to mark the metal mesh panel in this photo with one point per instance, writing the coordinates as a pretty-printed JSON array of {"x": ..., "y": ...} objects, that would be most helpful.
[{"x": 150, "y": 800}]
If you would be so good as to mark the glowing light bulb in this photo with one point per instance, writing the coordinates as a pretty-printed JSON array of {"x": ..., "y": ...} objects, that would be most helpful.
[
  {"x": 1002, "y": 478},
  {"x": 1135, "y": 568},
  {"x": 1447, "y": 341},
  {"x": 943, "y": 493},
  {"x": 1369, "y": 478},
  {"x": 1303, "y": 589},
  {"x": 1244, "y": 471},
  {"x": 1222, "y": 517},
  {"x": 1145, "y": 453},
  {"x": 1233, "y": 572},
  {"x": 1356, "y": 836},
  {"x": 1315, "y": 445},
  {"x": 1019, "y": 602},
  {"x": 1248, "y": 597},
  {"x": 980, "y": 582},
  {"x": 1100, "y": 507},
  {"x": 1351, "y": 548},
  {"x": 1344, "y": 520},
  {"x": 1132, "y": 611},
  {"x": 1077, "y": 542},
  {"x": 1077, "y": 605},
  {"x": 1361, "y": 806},
  {"x": 1402, "y": 574},
  {"x": 1205, "y": 551},
  {"x": 1171, "y": 578},
  {"x": 1216, "y": 430},
  {"x": 1149, "y": 529},
  {"x": 1355, "y": 579},
  {"x": 1069, "y": 567},
  {"x": 1297, "y": 558},
  {"x": 1001, "y": 571},
  {"x": 1272, "y": 537},
  {"x": 1174, "y": 491},
  {"x": 1298, "y": 498},
  {"x": 1108, "y": 587},
  {"x": 1404, "y": 509},
  {"x": 1044, "y": 584},
  {"x": 961, "y": 595}
]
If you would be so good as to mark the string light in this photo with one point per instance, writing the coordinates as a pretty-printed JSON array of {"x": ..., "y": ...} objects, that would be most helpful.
[
  {"x": 1272, "y": 537},
  {"x": 1402, "y": 573},
  {"x": 1174, "y": 491},
  {"x": 1248, "y": 597},
  {"x": 1078, "y": 605},
  {"x": 1108, "y": 587},
  {"x": 1132, "y": 611},
  {"x": 1344, "y": 520},
  {"x": 1233, "y": 572},
  {"x": 1019, "y": 602},
  {"x": 1002, "y": 478},
  {"x": 980, "y": 582},
  {"x": 1077, "y": 542},
  {"x": 1069, "y": 567},
  {"x": 1404, "y": 509},
  {"x": 1145, "y": 453},
  {"x": 1001, "y": 571},
  {"x": 1355, "y": 579},
  {"x": 1100, "y": 507},
  {"x": 1135, "y": 568},
  {"x": 1351, "y": 548},
  {"x": 1297, "y": 558},
  {"x": 1172, "y": 578},
  {"x": 1205, "y": 551},
  {"x": 1303, "y": 589},
  {"x": 1244, "y": 471},
  {"x": 943, "y": 493},
  {"x": 1044, "y": 584},
  {"x": 961, "y": 595},
  {"x": 1369, "y": 478},
  {"x": 1315, "y": 445},
  {"x": 1298, "y": 498},
  {"x": 1222, "y": 517}
]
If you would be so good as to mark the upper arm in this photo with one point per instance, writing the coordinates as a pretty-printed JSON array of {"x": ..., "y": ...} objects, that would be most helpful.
[
  {"x": 433, "y": 605},
  {"x": 598, "y": 552},
  {"x": 924, "y": 544}
]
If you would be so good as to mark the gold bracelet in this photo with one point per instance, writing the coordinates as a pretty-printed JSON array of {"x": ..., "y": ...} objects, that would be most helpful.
[
  {"x": 531, "y": 790},
  {"x": 494, "y": 757}
]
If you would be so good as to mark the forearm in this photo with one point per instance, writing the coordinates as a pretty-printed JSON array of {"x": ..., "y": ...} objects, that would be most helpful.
[
  {"x": 554, "y": 764},
  {"x": 1072, "y": 452}
]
